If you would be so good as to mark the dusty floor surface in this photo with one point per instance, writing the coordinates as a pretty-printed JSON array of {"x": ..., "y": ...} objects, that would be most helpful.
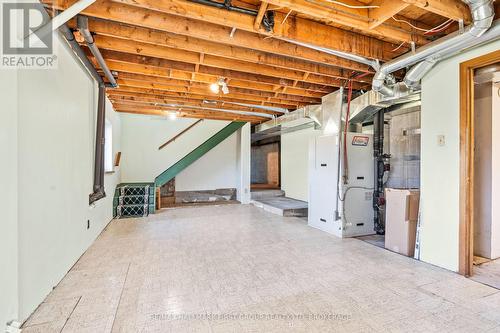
[{"x": 236, "y": 268}]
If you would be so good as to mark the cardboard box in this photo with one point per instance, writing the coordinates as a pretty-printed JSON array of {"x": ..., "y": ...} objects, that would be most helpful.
[{"x": 401, "y": 220}]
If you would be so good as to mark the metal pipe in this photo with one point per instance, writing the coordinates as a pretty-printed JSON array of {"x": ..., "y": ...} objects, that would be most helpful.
[
  {"x": 226, "y": 6},
  {"x": 248, "y": 113},
  {"x": 70, "y": 38},
  {"x": 481, "y": 31},
  {"x": 478, "y": 32},
  {"x": 83, "y": 27},
  {"x": 61, "y": 18},
  {"x": 349, "y": 56},
  {"x": 98, "y": 188}
]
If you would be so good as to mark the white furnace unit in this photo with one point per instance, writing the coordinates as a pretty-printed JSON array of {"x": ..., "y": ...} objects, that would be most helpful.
[{"x": 341, "y": 184}]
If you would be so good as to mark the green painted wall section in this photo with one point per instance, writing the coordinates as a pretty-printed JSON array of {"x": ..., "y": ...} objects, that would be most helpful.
[{"x": 198, "y": 152}]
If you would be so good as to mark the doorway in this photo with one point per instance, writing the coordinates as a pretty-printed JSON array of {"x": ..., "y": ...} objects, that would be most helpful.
[
  {"x": 479, "y": 220},
  {"x": 266, "y": 164}
]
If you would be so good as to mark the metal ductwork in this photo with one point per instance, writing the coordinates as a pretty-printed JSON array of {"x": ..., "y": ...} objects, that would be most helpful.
[
  {"x": 304, "y": 115},
  {"x": 364, "y": 107},
  {"x": 480, "y": 31},
  {"x": 83, "y": 27}
]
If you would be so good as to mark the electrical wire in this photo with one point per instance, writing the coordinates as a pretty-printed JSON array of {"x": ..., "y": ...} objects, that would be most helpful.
[
  {"x": 349, "y": 97},
  {"x": 291, "y": 10},
  {"x": 433, "y": 32},
  {"x": 351, "y": 6},
  {"x": 421, "y": 29},
  {"x": 342, "y": 199},
  {"x": 397, "y": 48}
]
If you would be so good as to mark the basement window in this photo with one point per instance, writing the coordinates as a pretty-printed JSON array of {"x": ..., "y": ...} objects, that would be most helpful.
[{"x": 108, "y": 147}]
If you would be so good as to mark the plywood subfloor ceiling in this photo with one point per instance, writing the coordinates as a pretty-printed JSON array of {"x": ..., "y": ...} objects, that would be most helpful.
[{"x": 165, "y": 54}]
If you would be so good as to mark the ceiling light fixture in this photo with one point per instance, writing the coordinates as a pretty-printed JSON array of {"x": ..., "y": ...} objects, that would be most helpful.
[
  {"x": 215, "y": 88},
  {"x": 221, "y": 84}
]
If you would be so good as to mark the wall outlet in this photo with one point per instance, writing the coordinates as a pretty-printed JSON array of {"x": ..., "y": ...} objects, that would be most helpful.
[{"x": 441, "y": 140}]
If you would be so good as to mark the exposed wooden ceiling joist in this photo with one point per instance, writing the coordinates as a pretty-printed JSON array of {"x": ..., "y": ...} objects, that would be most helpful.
[
  {"x": 217, "y": 26},
  {"x": 160, "y": 67},
  {"x": 143, "y": 35},
  {"x": 143, "y": 81},
  {"x": 453, "y": 9},
  {"x": 147, "y": 100},
  {"x": 191, "y": 113},
  {"x": 129, "y": 71},
  {"x": 358, "y": 20},
  {"x": 386, "y": 9},
  {"x": 204, "y": 93},
  {"x": 167, "y": 53},
  {"x": 158, "y": 51},
  {"x": 209, "y": 98}
]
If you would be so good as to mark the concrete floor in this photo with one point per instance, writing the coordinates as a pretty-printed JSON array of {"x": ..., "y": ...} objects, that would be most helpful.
[{"x": 259, "y": 273}]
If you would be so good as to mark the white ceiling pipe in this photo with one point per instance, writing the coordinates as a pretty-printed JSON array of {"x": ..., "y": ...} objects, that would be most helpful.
[
  {"x": 60, "y": 19},
  {"x": 482, "y": 12},
  {"x": 345, "y": 55},
  {"x": 248, "y": 113}
]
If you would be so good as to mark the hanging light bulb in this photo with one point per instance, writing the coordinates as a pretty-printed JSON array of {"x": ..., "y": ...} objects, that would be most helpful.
[{"x": 215, "y": 88}]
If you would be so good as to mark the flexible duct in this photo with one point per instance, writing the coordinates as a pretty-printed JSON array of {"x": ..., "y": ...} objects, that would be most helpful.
[{"x": 478, "y": 32}]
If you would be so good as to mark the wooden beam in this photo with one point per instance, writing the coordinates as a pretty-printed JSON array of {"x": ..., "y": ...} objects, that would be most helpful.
[
  {"x": 162, "y": 67},
  {"x": 156, "y": 93},
  {"x": 295, "y": 28},
  {"x": 180, "y": 85},
  {"x": 170, "y": 68},
  {"x": 386, "y": 9},
  {"x": 131, "y": 71},
  {"x": 360, "y": 22},
  {"x": 202, "y": 47},
  {"x": 158, "y": 51},
  {"x": 146, "y": 100},
  {"x": 453, "y": 9},
  {"x": 200, "y": 114},
  {"x": 260, "y": 15},
  {"x": 248, "y": 98}
]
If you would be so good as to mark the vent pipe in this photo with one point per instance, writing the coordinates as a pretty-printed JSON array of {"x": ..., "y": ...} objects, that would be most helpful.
[
  {"x": 426, "y": 57},
  {"x": 83, "y": 27},
  {"x": 482, "y": 30}
]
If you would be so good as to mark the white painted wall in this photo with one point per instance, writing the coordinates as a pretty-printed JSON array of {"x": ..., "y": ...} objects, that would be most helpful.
[
  {"x": 244, "y": 164},
  {"x": 216, "y": 169},
  {"x": 295, "y": 163},
  {"x": 440, "y": 164},
  {"x": 56, "y": 131},
  {"x": 495, "y": 193},
  {"x": 142, "y": 135},
  {"x": 483, "y": 169},
  {"x": 8, "y": 198}
]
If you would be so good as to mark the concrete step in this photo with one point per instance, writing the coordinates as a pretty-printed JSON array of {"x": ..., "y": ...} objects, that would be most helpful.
[
  {"x": 266, "y": 194},
  {"x": 283, "y": 206}
]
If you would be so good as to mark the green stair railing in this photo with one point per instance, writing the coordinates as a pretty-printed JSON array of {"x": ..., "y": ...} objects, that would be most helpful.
[{"x": 198, "y": 152}]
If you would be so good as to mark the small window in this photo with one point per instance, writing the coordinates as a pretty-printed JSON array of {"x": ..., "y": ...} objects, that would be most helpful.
[{"x": 108, "y": 147}]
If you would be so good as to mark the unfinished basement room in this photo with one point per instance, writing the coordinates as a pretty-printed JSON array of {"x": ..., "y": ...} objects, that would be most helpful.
[{"x": 253, "y": 166}]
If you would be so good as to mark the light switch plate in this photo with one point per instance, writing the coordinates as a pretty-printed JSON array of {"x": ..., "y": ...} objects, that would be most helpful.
[{"x": 441, "y": 141}]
